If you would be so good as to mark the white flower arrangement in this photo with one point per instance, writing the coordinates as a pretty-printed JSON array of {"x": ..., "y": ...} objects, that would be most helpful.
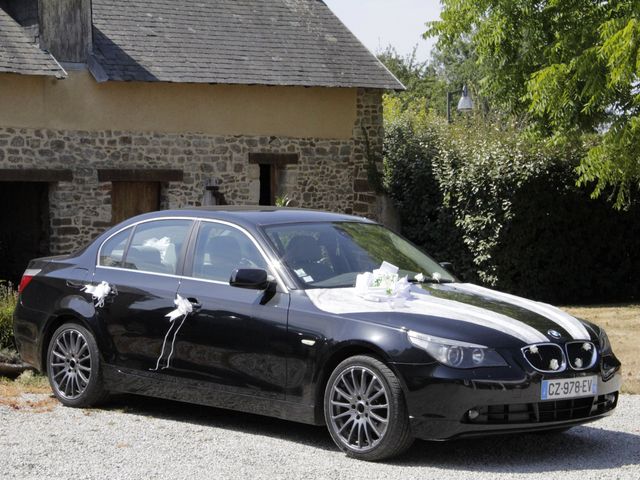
[
  {"x": 553, "y": 364},
  {"x": 383, "y": 284}
]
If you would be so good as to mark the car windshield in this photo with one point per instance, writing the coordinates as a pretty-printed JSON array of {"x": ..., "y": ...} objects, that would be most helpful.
[{"x": 332, "y": 254}]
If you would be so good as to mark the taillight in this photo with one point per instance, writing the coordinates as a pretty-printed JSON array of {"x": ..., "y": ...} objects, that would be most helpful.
[{"x": 27, "y": 276}]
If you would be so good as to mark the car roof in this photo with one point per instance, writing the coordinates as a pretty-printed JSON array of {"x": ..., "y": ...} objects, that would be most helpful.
[{"x": 257, "y": 215}]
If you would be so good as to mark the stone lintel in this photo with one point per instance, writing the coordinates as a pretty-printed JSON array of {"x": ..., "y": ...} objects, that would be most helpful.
[
  {"x": 35, "y": 175},
  {"x": 140, "y": 175},
  {"x": 277, "y": 159}
]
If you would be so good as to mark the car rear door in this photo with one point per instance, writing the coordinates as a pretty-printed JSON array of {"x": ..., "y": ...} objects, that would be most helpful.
[
  {"x": 141, "y": 264},
  {"x": 235, "y": 337}
]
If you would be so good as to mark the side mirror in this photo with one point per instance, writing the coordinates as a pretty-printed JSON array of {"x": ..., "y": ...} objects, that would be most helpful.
[
  {"x": 252, "y": 278},
  {"x": 448, "y": 266}
]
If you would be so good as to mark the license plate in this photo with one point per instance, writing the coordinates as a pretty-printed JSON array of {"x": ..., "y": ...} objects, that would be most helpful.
[{"x": 569, "y": 388}]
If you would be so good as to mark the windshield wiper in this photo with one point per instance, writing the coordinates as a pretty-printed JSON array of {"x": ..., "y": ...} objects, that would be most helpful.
[{"x": 430, "y": 280}]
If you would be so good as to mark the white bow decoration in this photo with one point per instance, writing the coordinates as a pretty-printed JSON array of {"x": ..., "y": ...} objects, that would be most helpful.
[
  {"x": 98, "y": 293},
  {"x": 183, "y": 308}
]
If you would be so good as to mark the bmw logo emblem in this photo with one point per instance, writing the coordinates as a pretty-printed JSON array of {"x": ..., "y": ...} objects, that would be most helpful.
[{"x": 554, "y": 333}]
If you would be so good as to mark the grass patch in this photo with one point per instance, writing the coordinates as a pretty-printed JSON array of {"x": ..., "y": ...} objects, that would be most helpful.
[
  {"x": 30, "y": 391},
  {"x": 622, "y": 324}
]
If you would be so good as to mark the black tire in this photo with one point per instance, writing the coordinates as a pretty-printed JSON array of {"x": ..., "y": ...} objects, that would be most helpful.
[
  {"x": 74, "y": 367},
  {"x": 352, "y": 403}
]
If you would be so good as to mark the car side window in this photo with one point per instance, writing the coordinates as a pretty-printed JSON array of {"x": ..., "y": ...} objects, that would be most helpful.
[
  {"x": 220, "y": 249},
  {"x": 313, "y": 254},
  {"x": 156, "y": 246},
  {"x": 112, "y": 251}
]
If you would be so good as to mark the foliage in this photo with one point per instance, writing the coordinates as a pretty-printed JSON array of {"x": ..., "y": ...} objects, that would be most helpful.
[
  {"x": 571, "y": 66},
  {"x": 9, "y": 355},
  {"x": 411, "y": 146},
  {"x": 424, "y": 87},
  {"x": 504, "y": 208},
  {"x": 8, "y": 301},
  {"x": 282, "y": 201}
]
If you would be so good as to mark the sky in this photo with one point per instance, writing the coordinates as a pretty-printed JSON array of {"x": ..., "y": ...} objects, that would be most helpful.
[{"x": 378, "y": 23}]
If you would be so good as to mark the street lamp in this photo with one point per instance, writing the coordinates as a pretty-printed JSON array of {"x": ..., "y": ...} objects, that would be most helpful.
[{"x": 465, "y": 104}]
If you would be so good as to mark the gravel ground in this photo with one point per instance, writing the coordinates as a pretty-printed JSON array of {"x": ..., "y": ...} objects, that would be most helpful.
[{"x": 145, "y": 439}]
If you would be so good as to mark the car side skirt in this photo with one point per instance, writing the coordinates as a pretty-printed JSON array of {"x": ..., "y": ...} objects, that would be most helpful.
[{"x": 122, "y": 380}]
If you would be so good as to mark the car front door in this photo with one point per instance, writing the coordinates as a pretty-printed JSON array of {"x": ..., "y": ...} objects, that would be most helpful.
[
  {"x": 235, "y": 337},
  {"x": 141, "y": 265}
]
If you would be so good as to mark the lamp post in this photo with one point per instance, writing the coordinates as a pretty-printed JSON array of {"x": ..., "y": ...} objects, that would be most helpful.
[{"x": 465, "y": 104}]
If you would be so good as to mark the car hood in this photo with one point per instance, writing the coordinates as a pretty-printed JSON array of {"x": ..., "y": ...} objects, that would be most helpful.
[{"x": 460, "y": 311}]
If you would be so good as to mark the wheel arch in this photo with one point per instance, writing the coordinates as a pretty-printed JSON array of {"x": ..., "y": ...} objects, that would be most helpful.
[
  {"x": 337, "y": 356},
  {"x": 52, "y": 325}
]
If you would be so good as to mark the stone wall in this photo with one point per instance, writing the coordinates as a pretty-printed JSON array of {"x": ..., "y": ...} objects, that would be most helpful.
[{"x": 331, "y": 174}]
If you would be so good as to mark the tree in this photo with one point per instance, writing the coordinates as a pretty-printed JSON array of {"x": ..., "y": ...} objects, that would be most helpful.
[
  {"x": 570, "y": 66},
  {"x": 424, "y": 88}
]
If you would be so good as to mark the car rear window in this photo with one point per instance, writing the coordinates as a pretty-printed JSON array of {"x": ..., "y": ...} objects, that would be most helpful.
[
  {"x": 112, "y": 251},
  {"x": 156, "y": 246}
]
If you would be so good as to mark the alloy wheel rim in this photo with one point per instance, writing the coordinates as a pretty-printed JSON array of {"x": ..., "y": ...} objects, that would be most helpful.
[
  {"x": 70, "y": 364},
  {"x": 359, "y": 408}
]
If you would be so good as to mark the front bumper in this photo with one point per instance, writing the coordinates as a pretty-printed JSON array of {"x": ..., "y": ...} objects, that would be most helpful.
[{"x": 507, "y": 400}]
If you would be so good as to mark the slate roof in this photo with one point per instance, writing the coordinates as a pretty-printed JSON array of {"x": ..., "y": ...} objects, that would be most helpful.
[
  {"x": 266, "y": 42},
  {"x": 19, "y": 55}
]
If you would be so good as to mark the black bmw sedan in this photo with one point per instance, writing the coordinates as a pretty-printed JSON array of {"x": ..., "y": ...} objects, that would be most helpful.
[{"x": 315, "y": 317}]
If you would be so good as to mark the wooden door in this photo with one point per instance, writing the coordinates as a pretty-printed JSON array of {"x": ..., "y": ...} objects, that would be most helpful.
[{"x": 133, "y": 198}]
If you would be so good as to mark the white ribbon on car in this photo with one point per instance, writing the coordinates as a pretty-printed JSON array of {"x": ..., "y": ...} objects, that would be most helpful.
[
  {"x": 98, "y": 292},
  {"x": 572, "y": 325},
  {"x": 382, "y": 285},
  {"x": 345, "y": 300},
  {"x": 183, "y": 308}
]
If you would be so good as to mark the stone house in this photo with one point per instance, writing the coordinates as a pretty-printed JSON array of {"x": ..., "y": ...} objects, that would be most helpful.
[{"x": 109, "y": 108}]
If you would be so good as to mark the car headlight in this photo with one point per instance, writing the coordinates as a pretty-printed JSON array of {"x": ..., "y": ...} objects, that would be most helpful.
[
  {"x": 605, "y": 345},
  {"x": 456, "y": 354}
]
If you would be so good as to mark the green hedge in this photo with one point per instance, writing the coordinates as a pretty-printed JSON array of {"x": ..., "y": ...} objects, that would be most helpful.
[
  {"x": 410, "y": 179},
  {"x": 8, "y": 300},
  {"x": 505, "y": 210}
]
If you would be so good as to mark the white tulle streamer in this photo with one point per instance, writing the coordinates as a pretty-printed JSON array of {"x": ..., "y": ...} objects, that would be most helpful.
[
  {"x": 183, "y": 308},
  {"x": 98, "y": 293}
]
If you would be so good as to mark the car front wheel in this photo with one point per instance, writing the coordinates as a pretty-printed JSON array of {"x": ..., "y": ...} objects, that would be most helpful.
[
  {"x": 73, "y": 367},
  {"x": 365, "y": 410}
]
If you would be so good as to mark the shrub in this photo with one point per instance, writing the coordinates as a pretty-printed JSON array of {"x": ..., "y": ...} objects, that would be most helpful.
[
  {"x": 504, "y": 208},
  {"x": 8, "y": 300},
  {"x": 410, "y": 149}
]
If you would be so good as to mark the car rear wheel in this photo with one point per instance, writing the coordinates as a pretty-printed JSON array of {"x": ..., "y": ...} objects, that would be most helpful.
[
  {"x": 73, "y": 367},
  {"x": 365, "y": 410}
]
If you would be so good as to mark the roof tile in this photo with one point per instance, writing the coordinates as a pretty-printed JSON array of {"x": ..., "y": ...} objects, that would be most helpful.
[
  {"x": 268, "y": 42},
  {"x": 19, "y": 55}
]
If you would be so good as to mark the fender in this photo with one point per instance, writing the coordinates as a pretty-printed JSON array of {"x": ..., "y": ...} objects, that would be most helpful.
[{"x": 78, "y": 309}]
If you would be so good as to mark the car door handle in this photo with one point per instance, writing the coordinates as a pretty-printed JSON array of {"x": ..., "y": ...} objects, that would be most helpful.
[
  {"x": 74, "y": 284},
  {"x": 195, "y": 304}
]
